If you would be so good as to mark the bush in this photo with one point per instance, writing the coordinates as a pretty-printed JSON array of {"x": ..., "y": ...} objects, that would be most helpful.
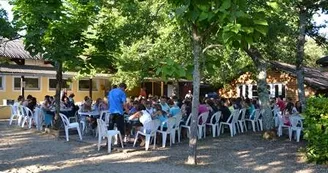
[{"x": 316, "y": 129}]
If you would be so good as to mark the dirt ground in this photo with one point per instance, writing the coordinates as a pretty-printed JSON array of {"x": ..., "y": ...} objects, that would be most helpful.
[{"x": 26, "y": 150}]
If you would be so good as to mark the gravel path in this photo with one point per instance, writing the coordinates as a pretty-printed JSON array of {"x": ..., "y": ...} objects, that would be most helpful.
[{"x": 25, "y": 150}]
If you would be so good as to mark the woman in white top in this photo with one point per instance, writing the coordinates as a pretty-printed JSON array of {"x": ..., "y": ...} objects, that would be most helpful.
[{"x": 144, "y": 118}]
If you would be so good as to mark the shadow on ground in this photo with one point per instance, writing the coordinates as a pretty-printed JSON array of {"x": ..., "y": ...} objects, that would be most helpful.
[{"x": 25, "y": 150}]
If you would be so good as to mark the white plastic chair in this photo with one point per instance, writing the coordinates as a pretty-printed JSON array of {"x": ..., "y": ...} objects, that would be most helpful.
[
  {"x": 242, "y": 121},
  {"x": 230, "y": 124},
  {"x": 297, "y": 126},
  {"x": 275, "y": 111},
  {"x": 281, "y": 124},
  {"x": 14, "y": 114},
  {"x": 170, "y": 123},
  {"x": 27, "y": 116},
  {"x": 201, "y": 124},
  {"x": 104, "y": 115},
  {"x": 152, "y": 133},
  {"x": 38, "y": 118},
  {"x": 255, "y": 121},
  {"x": 235, "y": 115},
  {"x": 187, "y": 124},
  {"x": 177, "y": 128},
  {"x": 69, "y": 125},
  {"x": 109, "y": 134},
  {"x": 215, "y": 124}
]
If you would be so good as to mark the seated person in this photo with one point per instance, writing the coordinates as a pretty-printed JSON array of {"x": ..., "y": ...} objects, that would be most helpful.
[
  {"x": 145, "y": 119},
  {"x": 225, "y": 112},
  {"x": 86, "y": 106},
  {"x": 46, "y": 108},
  {"x": 174, "y": 108},
  {"x": 133, "y": 109},
  {"x": 164, "y": 106},
  {"x": 149, "y": 107},
  {"x": 100, "y": 105},
  {"x": 159, "y": 114}
]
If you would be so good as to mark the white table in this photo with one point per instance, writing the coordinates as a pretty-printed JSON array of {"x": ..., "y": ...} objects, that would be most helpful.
[{"x": 90, "y": 113}]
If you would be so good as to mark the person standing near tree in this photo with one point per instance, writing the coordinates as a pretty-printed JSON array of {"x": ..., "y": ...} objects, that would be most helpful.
[{"x": 117, "y": 105}]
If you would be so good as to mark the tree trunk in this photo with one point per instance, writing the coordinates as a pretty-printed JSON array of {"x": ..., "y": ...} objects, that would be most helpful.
[
  {"x": 59, "y": 78},
  {"x": 300, "y": 57},
  {"x": 197, "y": 53},
  {"x": 262, "y": 90}
]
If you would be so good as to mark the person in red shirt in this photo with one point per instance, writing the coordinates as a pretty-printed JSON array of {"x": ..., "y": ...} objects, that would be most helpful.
[
  {"x": 281, "y": 104},
  {"x": 143, "y": 92}
]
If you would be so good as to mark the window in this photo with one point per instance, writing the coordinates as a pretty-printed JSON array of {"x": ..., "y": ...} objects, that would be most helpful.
[
  {"x": 31, "y": 83},
  {"x": 2, "y": 85},
  {"x": 274, "y": 90},
  {"x": 66, "y": 83},
  {"x": 84, "y": 85}
]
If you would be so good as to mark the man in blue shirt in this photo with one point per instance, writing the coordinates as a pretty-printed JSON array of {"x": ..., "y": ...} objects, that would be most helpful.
[{"x": 116, "y": 102}]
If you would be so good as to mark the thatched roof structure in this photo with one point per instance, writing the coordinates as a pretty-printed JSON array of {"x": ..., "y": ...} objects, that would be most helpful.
[
  {"x": 323, "y": 61},
  {"x": 14, "y": 49},
  {"x": 312, "y": 77}
]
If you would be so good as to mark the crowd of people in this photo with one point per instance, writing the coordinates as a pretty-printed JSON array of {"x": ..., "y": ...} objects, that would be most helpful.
[{"x": 139, "y": 111}]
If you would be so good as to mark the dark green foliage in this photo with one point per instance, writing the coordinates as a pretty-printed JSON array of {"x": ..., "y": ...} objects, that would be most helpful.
[{"x": 316, "y": 130}]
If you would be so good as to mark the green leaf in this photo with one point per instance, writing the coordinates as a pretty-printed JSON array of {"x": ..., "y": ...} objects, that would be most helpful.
[
  {"x": 249, "y": 39},
  {"x": 226, "y": 36},
  {"x": 194, "y": 15},
  {"x": 262, "y": 29},
  {"x": 225, "y": 5},
  {"x": 273, "y": 5},
  {"x": 203, "y": 16},
  {"x": 261, "y": 22},
  {"x": 181, "y": 10}
]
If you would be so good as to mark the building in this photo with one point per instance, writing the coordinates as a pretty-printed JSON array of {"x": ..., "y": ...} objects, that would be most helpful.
[
  {"x": 281, "y": 79},
  {"x": 23, "y": 74}
]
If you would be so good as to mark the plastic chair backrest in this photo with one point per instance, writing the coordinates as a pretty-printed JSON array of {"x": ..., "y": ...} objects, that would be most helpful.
[
  {"x": 104, "y": 115},
  {"x": 235, "y": 115},
  {"x": 13, "y": 110},
  {"x": 178, "y": 118},
  {"x": 101, "y": 127},
  {"x": 230, "y": 118},
  {"x": 188, "y": 120},
  {"x": 295, "y": 121},
  {"x": 64, "y": 119},
  {"x": 154, "y": 126},
  {"x": 257, "y": 114},
  {"x": 280, "y": 119},
  {"x": 203, "y": 116},
  {"x": 170, "y": 123},
  {"x": 217, "y": 116},
  {"x": 27, "y": 111},
  {"x": 243, "y": 113}
]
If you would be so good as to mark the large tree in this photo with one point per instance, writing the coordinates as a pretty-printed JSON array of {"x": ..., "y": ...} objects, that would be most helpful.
[
  {"x": 305, "y": 9},
  {"x": 7, "y": 30},
  {"x": 213, "y": 24},
  {"x": 57, "y": 30}
]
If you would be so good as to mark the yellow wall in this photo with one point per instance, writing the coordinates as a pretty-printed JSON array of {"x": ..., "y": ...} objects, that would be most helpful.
[{"x": 9, "y": 93}]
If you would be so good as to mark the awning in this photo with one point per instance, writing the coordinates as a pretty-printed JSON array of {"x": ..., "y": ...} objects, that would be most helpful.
[{"x": 29, "y": 70}]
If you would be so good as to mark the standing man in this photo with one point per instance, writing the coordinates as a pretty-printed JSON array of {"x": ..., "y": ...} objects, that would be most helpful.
[{"x": 117, "y": 101}]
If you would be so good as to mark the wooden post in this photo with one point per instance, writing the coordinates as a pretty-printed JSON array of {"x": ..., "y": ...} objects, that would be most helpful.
[
  {"x": 152, "y": 88},
  {"x": 162, "y": 88},
  {"x": 90, "y": 87},
  {"x": 23, "y": 86}
]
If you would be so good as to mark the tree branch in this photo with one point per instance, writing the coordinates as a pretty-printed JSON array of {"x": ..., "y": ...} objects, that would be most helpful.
[{"x": 211, "y": 46}]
